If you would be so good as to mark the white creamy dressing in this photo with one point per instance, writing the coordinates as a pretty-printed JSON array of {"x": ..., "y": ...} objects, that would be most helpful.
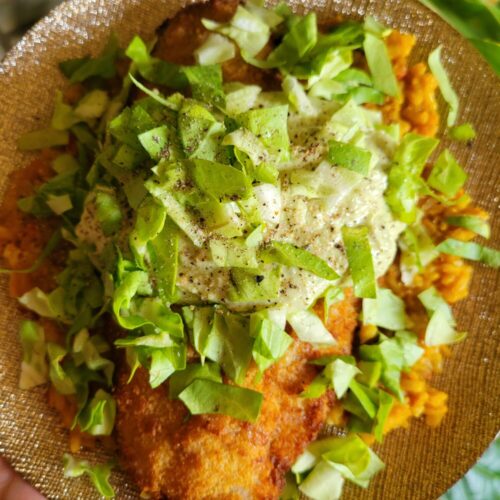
[
  {"x": 293, "y": 216},
  {"x": 312, "y": 223}
]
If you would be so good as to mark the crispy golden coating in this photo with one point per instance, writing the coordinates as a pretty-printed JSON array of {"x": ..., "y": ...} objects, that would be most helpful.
[{"x": 214, "y": 456}]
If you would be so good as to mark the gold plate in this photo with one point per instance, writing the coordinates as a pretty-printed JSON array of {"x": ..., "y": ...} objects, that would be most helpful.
[{"x": 421, "y": 463}]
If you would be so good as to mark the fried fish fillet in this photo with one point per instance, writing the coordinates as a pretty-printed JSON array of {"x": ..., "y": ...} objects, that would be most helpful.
[{"x": 171, "y": 454}]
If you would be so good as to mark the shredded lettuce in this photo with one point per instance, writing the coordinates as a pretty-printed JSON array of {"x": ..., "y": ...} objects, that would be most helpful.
[
  {"x": 270, "y": 125},
  {"x": 441, "y": 326},
  {"x": 360, "y": 260},
  {"x": 447, "y": 176},
  {"x": 332, "y": 295},
  {"x": 34, "y": 368},
  {"x": 297, "y": 96},
  {"x": 150, "y": 219},
  {"x": 349, "y": 156},
  {"x": 98, "y": 474},
  {"x": 310, "y": 328},
  {"x": 161, "y": 142},
  {"x": 229, "y": 343},
  {"x": 471, "y": 251},
  {"x": 45, "y": 138},
  {"x": 193, "y": 371},
  {"x": 153, "y": 69},
  {"x": 215, "y": 50},
  {"x": 204, "y": 396},
  {"x": 98, "y": 417},
  {"x": 222, "y": 182},
  {"x": 349, "y": 456},
  {"x": 45, "y": 305},
  {"x": 324, "y": 482},
  {"x": 472, "y": 223},
  {"x": 108, "y": 210},
  {"x": 404, "y": 176},
  {"x": 80, "y": 70},
  {"x": 271, "y": 341},
  {"x": 444, "y": 83},
  {"x": 239, "y": 97},
  {"x": 246, "y": 28},
  {"x": 92, "y": 105},
  {"x": 293, "y": 256},
  {"x": 233, "y": 253},
  {"x": 164, "y": 258},
  {"x": 341, "y": 374},
  {"x": 387, "y": 310},
  {"x": 464, "y": 132},
  {"x": 377, "y": 57},
  {"x": 255, "y": 285},
  {"x": 206, "y": 84}
]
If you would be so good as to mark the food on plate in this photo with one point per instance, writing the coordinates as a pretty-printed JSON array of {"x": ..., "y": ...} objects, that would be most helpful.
[{"x": 234, "y": 235}]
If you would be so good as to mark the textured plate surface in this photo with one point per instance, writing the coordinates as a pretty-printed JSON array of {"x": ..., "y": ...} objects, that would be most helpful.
[{"x": 422, "y": 463}]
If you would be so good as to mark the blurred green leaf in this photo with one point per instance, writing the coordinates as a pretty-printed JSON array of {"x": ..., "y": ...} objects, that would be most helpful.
[
  {"x": 476, "y": 20},
  {"x": 482, "y": 482}
]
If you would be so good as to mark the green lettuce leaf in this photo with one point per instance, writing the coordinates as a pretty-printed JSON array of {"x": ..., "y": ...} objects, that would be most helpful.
[
  {"x": 464, "y": 132},
  {"x": 45, "y": 305},
  {"x": 297, "y": 96},
  {"x": 441, "y": 326},
  {"x": 350, "y": 157},
  {"x": 270, "y": 126},
  {"x": 387, "y": 310},
  {"x": 471, "y": 251},
  {"x": 150, "y": 219},
  {"x": 449, "y": 95},
  {"x": 239, "y": 97},
  {"x": 377, "y": 57},
  {"x": 340, "y": 374},
  {"x": 80, "y": 70},
  {"x": 297, "y": 42},
  {"x": 293, "y": 256},
  {"x": 44, "y": 138},
  {"x": 229, "y": 344},
  {"x": 309, "y": 328},
  {"x": 207, "y": 397},
  {"x": 58, "y": 376},
  {"x": 447, "y": 176},
  {"x": 215, "y": 50},
  {"x": 472, "y": 223},
  {"x": 98, "y": 474},
  {"x": 98, "y": 416},
  {"x": 222, "y": 182},
  {"x": 354, "y": 460},
  {"x": 404, "y": 188},
  {"x": 164, "y": 257},
  {"x": 108, "y": 210},
  {"x": 324, "y": 482},
  {"x": 258, "y": 285},
  {"x": 161, "y": 142},
  {"x": 153, "y": 69},
  {"x": 206, "y": 84},
  {"x": 193, "y": 371},
  {"x": 246, "y": 28},
  {"x": 360, "y": 260},
  {"x": 34, "y": 367},
  {"x": 233, "y": 253},
  {"x": 271, "y": 341}
]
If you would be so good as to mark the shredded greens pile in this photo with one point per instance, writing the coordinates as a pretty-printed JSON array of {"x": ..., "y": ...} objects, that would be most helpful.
[{"x": 183, "y": 213}]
